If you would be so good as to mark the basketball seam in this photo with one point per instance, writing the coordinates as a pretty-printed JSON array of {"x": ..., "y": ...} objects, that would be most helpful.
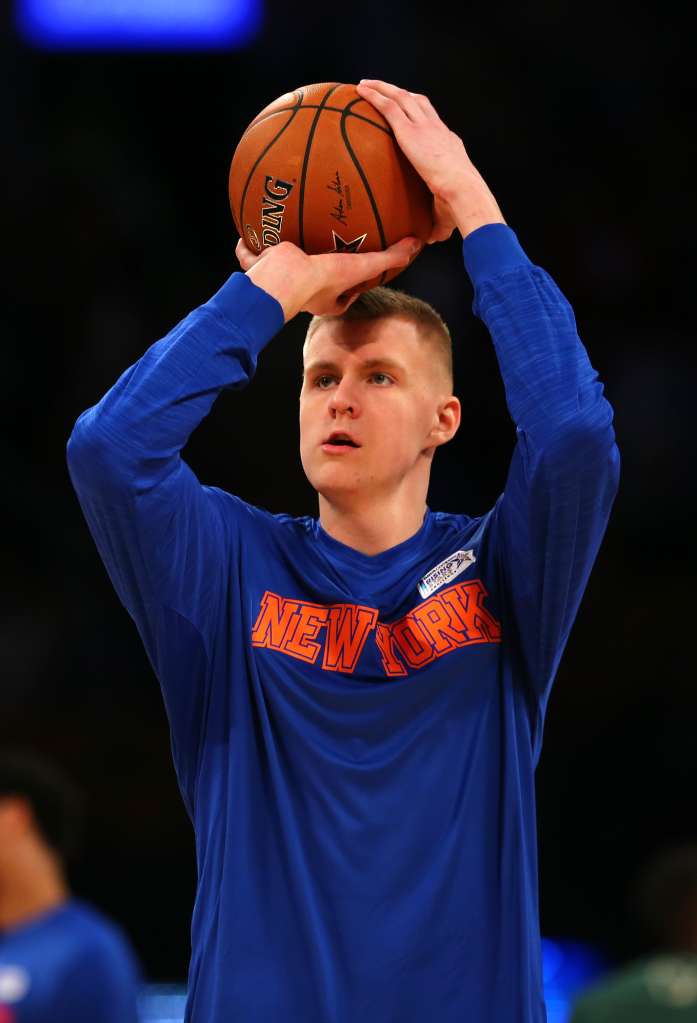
[
  {"x": 306, "y": 160},
  {"x": 260, "y": 158},
  {"x": 346, "y": 113},
  {"x": 316, "y": 106}
]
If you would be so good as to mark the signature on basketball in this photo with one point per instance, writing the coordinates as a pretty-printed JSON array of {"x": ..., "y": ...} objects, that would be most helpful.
[{"x": 344, "y": 193}]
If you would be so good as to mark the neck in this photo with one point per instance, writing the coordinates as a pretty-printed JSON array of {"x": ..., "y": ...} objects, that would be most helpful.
[
  {"x": 31, "y": 884},
  {"x": 372, "y": 525}
]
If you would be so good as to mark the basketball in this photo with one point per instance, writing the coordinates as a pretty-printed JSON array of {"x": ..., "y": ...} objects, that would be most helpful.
[{"x": 321, "y": 168}]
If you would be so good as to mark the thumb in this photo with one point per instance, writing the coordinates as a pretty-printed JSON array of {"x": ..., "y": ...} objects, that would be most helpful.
[
  {"x": 406, "y": 248},
  {"x": 440, "y": 233}
]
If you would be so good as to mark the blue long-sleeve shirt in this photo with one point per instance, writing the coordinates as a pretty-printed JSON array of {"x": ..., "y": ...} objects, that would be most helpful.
[{"x": 355, "y": 736}]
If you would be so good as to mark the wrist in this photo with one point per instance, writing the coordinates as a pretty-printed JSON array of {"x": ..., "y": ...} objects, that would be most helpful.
[
  {"x": 471, "y": 220},
  {"x": 285, "y": 277},
  {"x": 471, "y": 202},
  {"x": 474, "y": 210}
]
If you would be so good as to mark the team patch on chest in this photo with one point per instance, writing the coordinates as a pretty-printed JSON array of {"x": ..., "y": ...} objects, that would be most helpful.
[{"x": 454, "y": 618}]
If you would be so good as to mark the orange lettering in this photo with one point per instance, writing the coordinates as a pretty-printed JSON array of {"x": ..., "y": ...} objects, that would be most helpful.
[
  {"x": 448, "y": 620},
  {"x": 347, "y": 631},
  {"x": 412, "y": 643},
  {"x": 299, "y": 643},
  {"x": 440, "y": 626},
  {"x": 273, "y": 621},
  {"x": 465, "y": 600},
  {"x": 386, "y": 646}
]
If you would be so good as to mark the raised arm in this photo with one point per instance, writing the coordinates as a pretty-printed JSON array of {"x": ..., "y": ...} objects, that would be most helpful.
[
  {"x": 125, "y": 452},
  {"x": 564, "y": 473},
  {"x": 153, "y": 523},
  {"x": 164, "y": 539},
  {"x": 167, "y": 542},
  {"x": 563, "y": 477}
]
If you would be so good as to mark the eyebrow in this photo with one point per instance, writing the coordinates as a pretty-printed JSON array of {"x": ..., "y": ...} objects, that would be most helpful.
[{"x": 385, "y": 361}]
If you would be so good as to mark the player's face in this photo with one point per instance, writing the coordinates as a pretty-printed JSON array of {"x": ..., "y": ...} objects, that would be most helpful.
[{"x": 379, "y": 385}]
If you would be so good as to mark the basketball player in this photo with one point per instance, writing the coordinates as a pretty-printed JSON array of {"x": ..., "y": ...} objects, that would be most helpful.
[
  {"x": 61, "y": 961},
  {"x": 356, "y": 701}
]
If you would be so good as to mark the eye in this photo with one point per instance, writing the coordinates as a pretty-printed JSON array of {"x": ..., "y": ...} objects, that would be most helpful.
[
  {"x": 382, "y": 379},
  {"x": 323, "y": 381}
]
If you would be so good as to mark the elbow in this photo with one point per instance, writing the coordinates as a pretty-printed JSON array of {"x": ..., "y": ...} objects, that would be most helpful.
[
  {"x": 85, "y": 440},
  {"x": 585, "y": 445},
  {"x": 79, "y": 441},
  {"x": 89, "y": 453}
]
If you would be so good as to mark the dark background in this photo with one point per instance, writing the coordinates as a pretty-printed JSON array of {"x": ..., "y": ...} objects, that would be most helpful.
[{"x": 115, "y": 223}]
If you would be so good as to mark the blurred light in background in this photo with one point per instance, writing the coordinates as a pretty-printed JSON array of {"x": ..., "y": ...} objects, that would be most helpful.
[
  {"x": 138, "y": 24},
  {"x": 162, "y": 1003},
  {"x": 568, "y": 968}
]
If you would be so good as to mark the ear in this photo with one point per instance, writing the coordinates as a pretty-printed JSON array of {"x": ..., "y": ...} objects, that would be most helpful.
[{"x": 446, "y": 421}]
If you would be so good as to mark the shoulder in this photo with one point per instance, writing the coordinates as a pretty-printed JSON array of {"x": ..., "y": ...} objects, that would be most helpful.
[
  {"x": 473, "y": 528},
  {"x": 450, "y": 522},
  {"x": 100, "y": 977},
  {"x": 99, "y": 940},
  {"x": 250, "y": 518}
]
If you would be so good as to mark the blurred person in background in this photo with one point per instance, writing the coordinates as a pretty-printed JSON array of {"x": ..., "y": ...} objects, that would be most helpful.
[
  {"x": 663, "y": 986},
  {"x": 61, "y": 961}
]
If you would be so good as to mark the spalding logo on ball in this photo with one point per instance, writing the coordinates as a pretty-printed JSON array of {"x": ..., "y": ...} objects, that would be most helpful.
[{"x": 320, "y": 167}]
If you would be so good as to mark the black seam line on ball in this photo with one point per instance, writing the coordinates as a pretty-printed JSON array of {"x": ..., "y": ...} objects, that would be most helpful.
[
  {"x": 306, "y": 160},
  {"x": 347, "y": 113},
  {"x": 261, "y": 157},
  {"x": 316, "y": 106}
]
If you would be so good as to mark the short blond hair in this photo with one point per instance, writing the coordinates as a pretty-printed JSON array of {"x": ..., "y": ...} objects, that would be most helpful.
[{"x": 381, "y": 303}]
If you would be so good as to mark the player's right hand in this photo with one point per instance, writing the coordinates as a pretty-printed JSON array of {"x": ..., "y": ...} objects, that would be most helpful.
[{"x": 324, "y": 285}]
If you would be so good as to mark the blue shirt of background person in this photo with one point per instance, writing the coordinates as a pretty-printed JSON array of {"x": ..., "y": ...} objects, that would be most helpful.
[{"x": 61, "y": 961}]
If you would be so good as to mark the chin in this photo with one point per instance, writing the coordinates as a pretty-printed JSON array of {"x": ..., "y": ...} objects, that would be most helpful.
[{"x": 333, "y": 480}]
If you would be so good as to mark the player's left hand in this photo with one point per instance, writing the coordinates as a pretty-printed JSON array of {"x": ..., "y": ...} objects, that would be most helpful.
[
  {"x": 461, "y": 197},
  {"x": 325, "y": 284}
]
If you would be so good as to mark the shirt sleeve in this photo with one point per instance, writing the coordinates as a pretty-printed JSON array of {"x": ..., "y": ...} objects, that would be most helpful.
[
  {"x": 168, "y": 542},
  {"x": 563, "y": 477}
]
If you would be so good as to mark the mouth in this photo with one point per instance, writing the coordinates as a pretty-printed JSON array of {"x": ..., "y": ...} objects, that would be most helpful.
[{"x": 339, "y": 442}]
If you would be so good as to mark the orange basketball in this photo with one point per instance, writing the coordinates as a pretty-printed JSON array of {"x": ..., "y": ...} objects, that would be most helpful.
[{"x": 320, "y": 167}]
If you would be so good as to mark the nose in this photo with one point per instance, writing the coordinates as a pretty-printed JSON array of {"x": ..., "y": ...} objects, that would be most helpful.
[{"x": 343, "y": 401}]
